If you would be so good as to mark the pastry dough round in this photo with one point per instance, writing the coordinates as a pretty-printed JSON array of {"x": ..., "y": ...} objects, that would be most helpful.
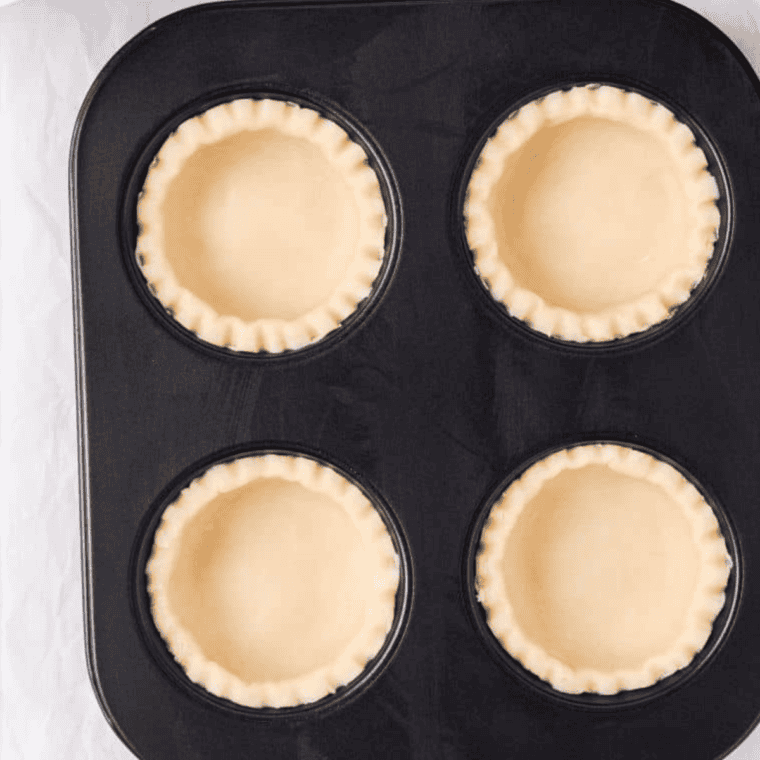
[
  {"x": 601, "y": 569},
  {"x": 261, "y": 226},
  {"x": 591, "y": 214},
  {"x": 272, "y": 580}
]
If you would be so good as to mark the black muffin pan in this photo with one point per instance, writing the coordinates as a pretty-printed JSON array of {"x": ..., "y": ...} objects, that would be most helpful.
[{"x": 431, "y": 397}]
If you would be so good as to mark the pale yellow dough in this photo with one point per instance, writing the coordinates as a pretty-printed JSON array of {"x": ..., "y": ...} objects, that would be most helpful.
[
  {"x": 601, "y": 569},
  {"x": 273, "y": 581},
  {"x": 261, "y": 225},
  {"x": 591, "y": 213}
]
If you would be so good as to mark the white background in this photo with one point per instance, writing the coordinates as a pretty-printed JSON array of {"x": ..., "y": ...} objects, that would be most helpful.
[{"x": 50, "y": 52}]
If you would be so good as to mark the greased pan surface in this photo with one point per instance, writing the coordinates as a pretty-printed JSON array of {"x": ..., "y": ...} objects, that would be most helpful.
[{"x": 432, "y": 398}]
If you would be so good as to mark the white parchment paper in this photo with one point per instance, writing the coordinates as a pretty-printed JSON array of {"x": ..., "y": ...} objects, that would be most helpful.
[{"x": 50, "y": 52}]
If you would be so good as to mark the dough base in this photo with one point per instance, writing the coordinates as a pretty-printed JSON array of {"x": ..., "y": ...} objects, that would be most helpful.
[
  {"x": 601, "y": 569},
  {"x": 272, "y": 581},
  {"x": 591, "y": 214},
  {"x": 261, "y": 226}
]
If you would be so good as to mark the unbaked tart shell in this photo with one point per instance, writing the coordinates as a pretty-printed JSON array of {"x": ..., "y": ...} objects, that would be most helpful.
[
  {"x": 272, "y": 581},
  {"x": 601, "y": 569},
  {"x": 261, "y": 225},
  {"x": 591, "y": 214}
]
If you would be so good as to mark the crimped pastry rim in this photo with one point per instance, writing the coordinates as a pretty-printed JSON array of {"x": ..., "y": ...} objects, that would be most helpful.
[
  {"x": 709, "y": 596},
  {"x": 322, "y": 681},
  {"x": 268, "y": 335},
  {"x": 626, "y": 319}
]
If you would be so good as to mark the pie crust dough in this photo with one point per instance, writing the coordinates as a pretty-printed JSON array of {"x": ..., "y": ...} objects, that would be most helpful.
[
  {"x": 261, "y": 226},
  {"x": 272, "y": 580},
  {"x": 601, "y": 569},
  {"x": 591, "y": 213}
]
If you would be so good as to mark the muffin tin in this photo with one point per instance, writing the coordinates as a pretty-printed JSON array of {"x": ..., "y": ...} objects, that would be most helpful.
[{"x": 431, "y": 398}]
